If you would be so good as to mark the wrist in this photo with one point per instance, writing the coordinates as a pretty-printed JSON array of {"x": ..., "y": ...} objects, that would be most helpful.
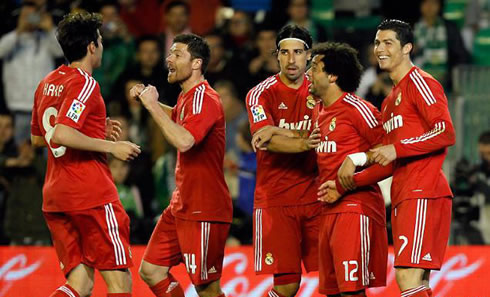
[{"x": 359, "y": 159}]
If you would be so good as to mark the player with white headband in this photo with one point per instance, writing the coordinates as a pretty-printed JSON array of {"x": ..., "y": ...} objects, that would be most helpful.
[{"x": 287, "y": 213}]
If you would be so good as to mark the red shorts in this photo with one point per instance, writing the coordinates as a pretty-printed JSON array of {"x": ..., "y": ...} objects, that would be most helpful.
[
  {"x": 421, "y": 232},
  {"x": 97, "y": 237},
  {"x": 199, "y": 245},
  {"x": 284, "y": 236},
  {"x": 353, "y": 253}
]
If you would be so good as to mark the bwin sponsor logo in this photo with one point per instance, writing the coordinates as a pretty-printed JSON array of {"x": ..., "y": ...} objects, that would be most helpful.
[
  {"x": 301, "y": 125},
  {"x": 393, "y": 123}
]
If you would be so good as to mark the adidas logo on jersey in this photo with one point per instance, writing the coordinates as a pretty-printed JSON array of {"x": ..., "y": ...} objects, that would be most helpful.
[
  {"x": 301, "y": 125},
  {"x": 282, "y": 106},
  {"x": 327, "y": 146},
  {"x": 212, "y": 270},
  {"x": 393, "y": 123},
  {"x": 427, "y": 257}
]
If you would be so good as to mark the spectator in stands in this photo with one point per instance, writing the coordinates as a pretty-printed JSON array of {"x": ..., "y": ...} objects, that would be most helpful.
[
  {"x": 28, "y": 54},
  {"x": 369, "y": 75},
  {"x": 118, "y": 48},
  {"x": 219, "y": 66},
  {"x": 379, "y": 89},
  {"x": 265, "y": 63},
  {"x": 438, "y": 43},
  {"x": 177, "y": 22},
  {"x": 299, "y": 14}
]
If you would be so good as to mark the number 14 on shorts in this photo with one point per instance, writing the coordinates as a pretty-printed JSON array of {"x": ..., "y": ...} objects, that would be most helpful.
[{"x": 190, "y": 263}]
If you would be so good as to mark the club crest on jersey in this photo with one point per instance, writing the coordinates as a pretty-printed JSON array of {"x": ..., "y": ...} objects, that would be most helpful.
[
  {"x": 269, "y": 259},
  {"x": 310, "y": 102},
  {"x": 75, "y": 110},
  {"x": 332, "y": 124},
  {"x": 258, "y": 113},
  {"x": 182, "y": 113},
  {"x": 398, "y": 99}
]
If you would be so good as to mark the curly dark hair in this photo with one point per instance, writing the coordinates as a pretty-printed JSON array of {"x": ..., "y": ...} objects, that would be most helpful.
[
  {"x": 342, "y": 60},
  {"x": 197, "y": 47},
  {"x": 402, "y": 29},
  {"x": 76, "y": 31}
]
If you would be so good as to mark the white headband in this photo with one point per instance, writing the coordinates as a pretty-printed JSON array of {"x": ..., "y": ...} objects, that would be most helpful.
[{"x": 295, "y": 39}]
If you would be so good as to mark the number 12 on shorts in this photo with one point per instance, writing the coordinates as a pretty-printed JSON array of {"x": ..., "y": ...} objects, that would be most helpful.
[
  {"x": 190, "y": 263},
  {"x": 350, "y": 276}
]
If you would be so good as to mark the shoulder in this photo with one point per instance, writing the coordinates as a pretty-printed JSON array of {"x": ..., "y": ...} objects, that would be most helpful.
[
  {"x": 260, "y": 89},
  {"x": 203, "y": 95},
  {"x": 423, "y": 84},
  {"x": 361, "y": 109}
]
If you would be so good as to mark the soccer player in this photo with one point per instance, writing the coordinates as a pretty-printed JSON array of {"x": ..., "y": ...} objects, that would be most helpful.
[
  {"x": 88, "y": 225},
  {"x": 418, "y": 130},
  {"x": 287, "y": 213},
  {"x": 194, "y": 228}
]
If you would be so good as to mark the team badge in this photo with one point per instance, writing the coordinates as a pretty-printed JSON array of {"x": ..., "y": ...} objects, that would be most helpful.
[
  {"x": 258, "y": 113},
  {"x": 75, "y": 111},
  {"x": 310, "y": 102},
  {"x": 182, "y": 113},
  {"x": 269, "y": 259},
  {"x": 398, "y": 99},
  {"x": 332, "y": 125}
]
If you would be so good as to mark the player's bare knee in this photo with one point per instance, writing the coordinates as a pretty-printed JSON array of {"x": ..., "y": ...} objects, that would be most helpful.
[
  {"x": 152, "y": 274},
  {"x": 211, "y": 289},
  {"x": 288, "y": 290},
  {"x": 118, "y": 281},
  {"x": 409, "y": 277}
]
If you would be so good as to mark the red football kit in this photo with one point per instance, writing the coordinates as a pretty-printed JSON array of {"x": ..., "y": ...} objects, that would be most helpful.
[
  {"x": 79, "y": 195},
  {"x": 353, "y": 242},
  {"x": 194, "y": 228},
  {"x": 286, "y": 218},
  {"x": 417, "y": 122}
]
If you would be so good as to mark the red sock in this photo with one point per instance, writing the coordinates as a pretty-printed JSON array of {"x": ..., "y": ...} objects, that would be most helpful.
[
  {"x": 64, "y": 291},
  {"x": 168, "y": 287},
  {"x": 274, "y": 293},
  {"x": 420, "y": 291},
  {"x": 118, "y": 294}
]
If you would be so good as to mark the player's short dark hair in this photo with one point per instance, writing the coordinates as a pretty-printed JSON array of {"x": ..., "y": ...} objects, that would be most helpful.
[
  {"x": 484, "y": 138},
  {"x": 76, "y": 31},
  {"x": 197, "y": 47},
  {"x": 151, "y": 38},
  {"x": 294, "y": 31},
  {"x": 342, "y": 60},
  {"x": 173, "y": 4},
  {"x": 403, "y": 30}
]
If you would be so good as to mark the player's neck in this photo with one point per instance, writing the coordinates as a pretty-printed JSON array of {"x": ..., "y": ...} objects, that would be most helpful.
[
  {"x": 332, "y": 95},
  {"x": 191, "y": 82},
  {"x": 399, "y": 72},
  {"x": 296, "y": 84},
  {"x": 82, "y": 64}
]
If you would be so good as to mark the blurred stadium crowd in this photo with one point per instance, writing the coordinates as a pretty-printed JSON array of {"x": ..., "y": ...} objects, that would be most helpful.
[{"x": 241, "y": 34}]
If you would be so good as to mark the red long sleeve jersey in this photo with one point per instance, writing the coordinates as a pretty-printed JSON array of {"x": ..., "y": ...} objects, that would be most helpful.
[
  {"x": 416, "y": 120},
  {"x": 283, "y": 179},
  {"x": 347, "y": 126}
]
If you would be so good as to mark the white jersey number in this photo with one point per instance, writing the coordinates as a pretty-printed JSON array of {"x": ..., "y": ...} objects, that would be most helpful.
[
  {"x": 48, "y": 113},
  {"x": 352, "y": 275}
]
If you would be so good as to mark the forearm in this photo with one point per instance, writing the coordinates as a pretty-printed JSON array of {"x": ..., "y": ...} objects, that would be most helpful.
[
  {"x": 368, "y": 176},
  {"x": 37, "y": 141},
  {"x": 72, "y": 138},
  {"x": 167, "y": 109},
  {"x": 175, "y": 134},
  {"x": 7, "y": 43},
  {"x": 284, "y": 144}
]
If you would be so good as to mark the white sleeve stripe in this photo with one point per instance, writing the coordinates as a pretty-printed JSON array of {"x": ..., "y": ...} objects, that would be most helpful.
[
  {"x": 66, "y": 291},
  {"x": 262, "y": 88},
  {"x": 423, "y": 88},
  {"x": 366, "y": 109},
  {"x": 254, "y": 90},
  {"x": 368, "y": 121},
  {"x": 427, "y": 88},
  {"x": 439, "y": 129},
  {"x": 197, "y": 100},
  {"x": 88, "y": 87},
  {"x": 254, "y": 98},
  {"x": 201, "y": 99}
]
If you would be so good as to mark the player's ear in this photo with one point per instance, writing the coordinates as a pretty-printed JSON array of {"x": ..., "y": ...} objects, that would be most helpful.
[
  {"x": 332, "y": 78},
  {"x": 308, "y": 55},
  {"x": 91, "y": 48},
  {"x": 196, "y": 64},
  {"x": 407, "y": 48}
]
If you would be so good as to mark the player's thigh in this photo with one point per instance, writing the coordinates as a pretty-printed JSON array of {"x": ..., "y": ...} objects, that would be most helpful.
[
  {"x": 355, "y": 248},
  {"x": 327, "y": 277},
  {"x": 203, "y": 249},
  {"x": 163, "y": 249},
  {"x": 310, "y": 228},
  {"x": 421, "y": 231},
  {"x": 66, "y": 240},
  {"x": 277, "y": 241},
  {"x": 105, "y": 236}
]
